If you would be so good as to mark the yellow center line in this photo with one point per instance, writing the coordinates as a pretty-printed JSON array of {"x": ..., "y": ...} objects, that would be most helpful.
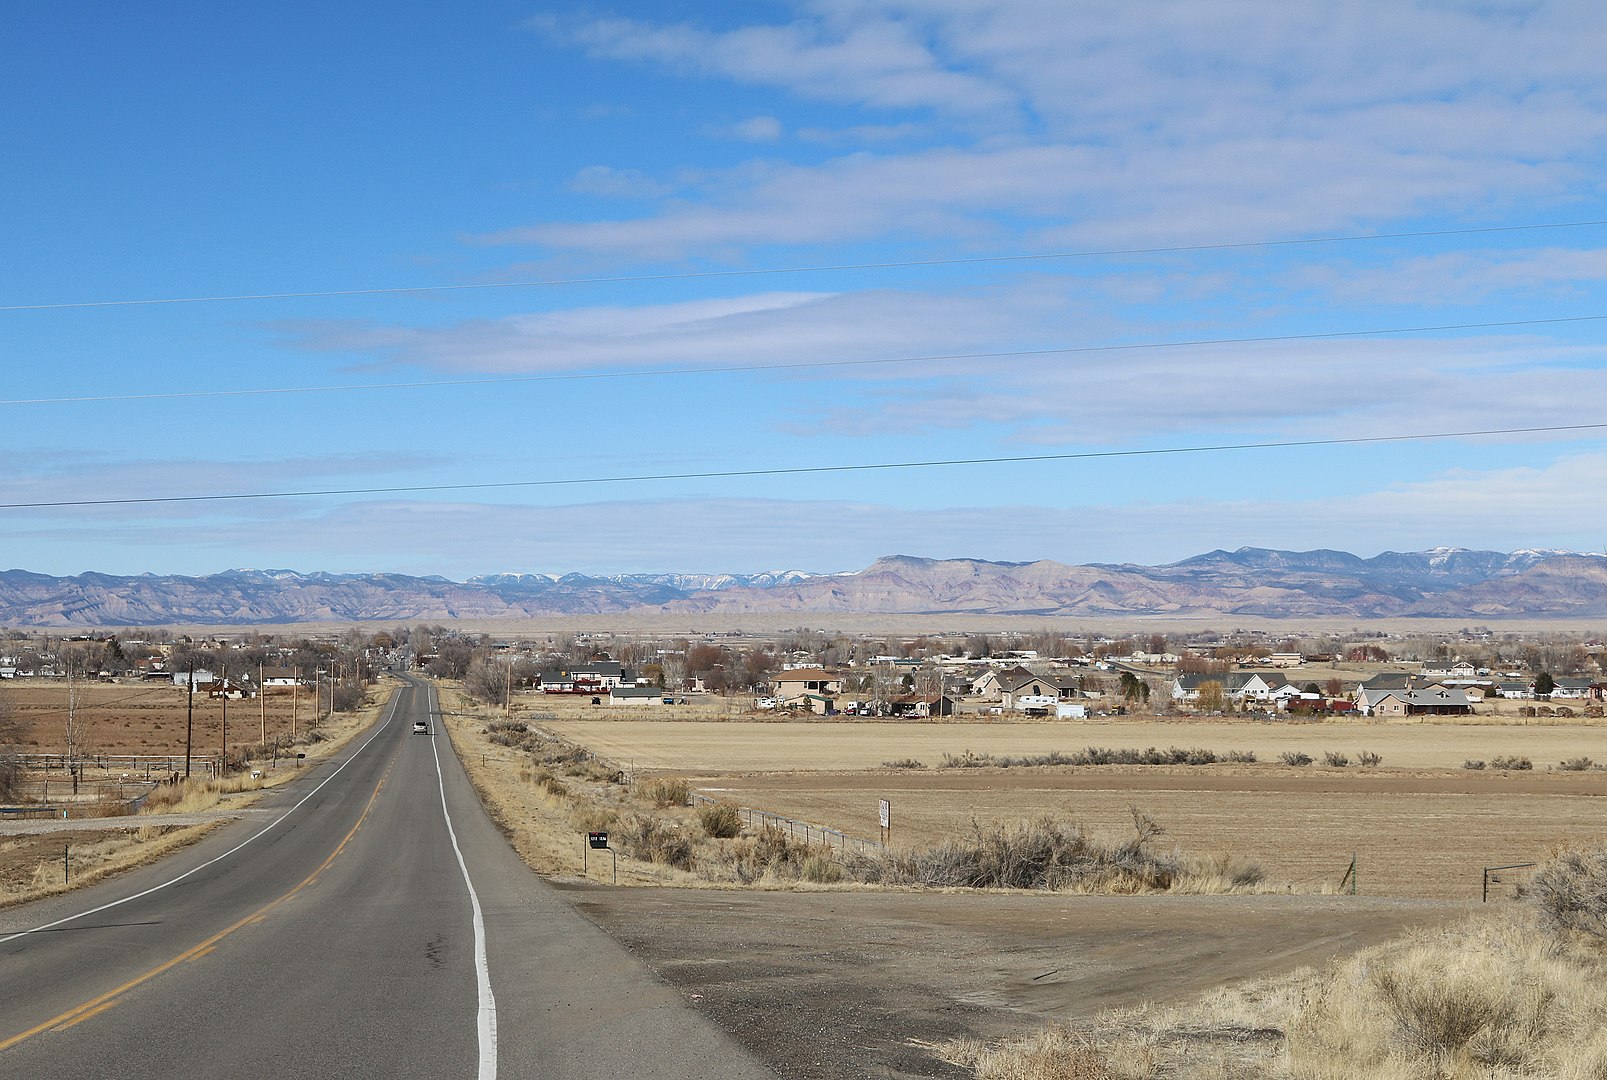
[{"x": 100, "y": 1004}]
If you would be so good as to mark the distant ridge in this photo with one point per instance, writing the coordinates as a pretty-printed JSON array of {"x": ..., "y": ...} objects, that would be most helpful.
[{"x": 1441, "y": 582}]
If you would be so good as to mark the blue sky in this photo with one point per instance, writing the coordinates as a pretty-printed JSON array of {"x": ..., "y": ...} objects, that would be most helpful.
[{"x": 657, "y": 158}]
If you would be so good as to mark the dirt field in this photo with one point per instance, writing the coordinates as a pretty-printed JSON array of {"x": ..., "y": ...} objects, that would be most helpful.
[
  {"x": 837, "y": 985},
  {"x": 852, "y": 981},
  {"x": 136, "y": 718},
  {"x": 1417, "y": 827},
  {"x": 743, "y": 746},
  {"x": 1412, "y": 835}
]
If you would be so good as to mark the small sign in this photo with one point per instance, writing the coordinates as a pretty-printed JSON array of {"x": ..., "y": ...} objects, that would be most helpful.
[
  {"x": 597, "y": 839},
  {"x": 884, "y": 810}
]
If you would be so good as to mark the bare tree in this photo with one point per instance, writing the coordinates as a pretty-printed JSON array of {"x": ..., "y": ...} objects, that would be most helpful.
[{"x": 673, "y": 666}]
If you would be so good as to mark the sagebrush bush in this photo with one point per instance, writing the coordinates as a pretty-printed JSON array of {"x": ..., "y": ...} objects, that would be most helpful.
[
  {"x": 771, "y": 854},
  {"x": 1098, "y": 755},
  {"x": 1335, "y": 760},
  {"x": 1473, "y": 763},
  {"x": 1045, "y": 853},
  {"x": 655, "y": 840},
  {"x": 1577, "y": 764},
  {"x": 904, "y": 763},
  {"x": 1369, "y": 760},
  {"x": 1570, "y": 892},
  {"x": 589, "y": 817},
  {"x": 666, "y": 791},
  {"x": 720, "y": 820},
  {"x": 1295, "y": 757},
  {"x": 1513, "y": 762},
  {"x": 1478, "y": 1003}
]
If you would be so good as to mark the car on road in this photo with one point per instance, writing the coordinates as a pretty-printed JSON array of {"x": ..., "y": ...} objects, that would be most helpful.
[{"x": 421, "y": 727}]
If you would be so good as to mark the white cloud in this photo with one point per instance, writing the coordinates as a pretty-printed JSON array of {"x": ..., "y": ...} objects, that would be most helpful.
[
  {"x": 615, "y": 183},
  {"x": 766, "y": 328},
  {"x": 1466, "y": 277},
  {"x": 753, "y": 129},
  {"x": 874, "y": 60},
  {"x": 1174, "y": 121}
]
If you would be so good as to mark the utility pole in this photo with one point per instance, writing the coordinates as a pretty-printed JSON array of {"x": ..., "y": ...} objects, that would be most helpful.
[
  {"x": 223, "y": 764},
  {"x": 72, "y": 723},
  {"x": 262, "y": 699},
  {"x": 295, "y": 688},
  {"x": 189, "y": 720}
]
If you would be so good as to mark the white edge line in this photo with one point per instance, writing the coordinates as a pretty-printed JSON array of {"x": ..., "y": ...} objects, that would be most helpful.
[
  {"x": 486, "y": 1013},
  {"x": 196, "y": 869}
]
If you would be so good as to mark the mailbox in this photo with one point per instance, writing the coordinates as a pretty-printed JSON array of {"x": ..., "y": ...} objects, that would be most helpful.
[{"x": 597, "y": 839}]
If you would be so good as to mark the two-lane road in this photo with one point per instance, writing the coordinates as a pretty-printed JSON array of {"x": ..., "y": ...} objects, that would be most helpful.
[{"x": 372, "y": 923}]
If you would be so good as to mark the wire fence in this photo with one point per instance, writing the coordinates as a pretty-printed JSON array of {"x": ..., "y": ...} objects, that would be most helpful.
[
  {"x": 133, "y": 766},
  {"x": 839, "y": 842}
]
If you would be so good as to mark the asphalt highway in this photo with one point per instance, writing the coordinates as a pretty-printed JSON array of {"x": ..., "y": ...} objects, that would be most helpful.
[{"x": 373, "y": 923}]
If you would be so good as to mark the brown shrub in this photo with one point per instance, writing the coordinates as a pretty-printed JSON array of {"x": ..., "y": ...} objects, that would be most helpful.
[
  {"x": 655, "y": 840},
  {"x": 720, "y": 820},
  {"x": 666, "y": 791}
]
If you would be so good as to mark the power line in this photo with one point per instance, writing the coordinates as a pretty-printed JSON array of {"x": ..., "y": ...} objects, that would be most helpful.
[
  {"x": 801, "y": 365},
  {"x": 1175, "y": 249},
  {"x": 1088, "y": 455}
]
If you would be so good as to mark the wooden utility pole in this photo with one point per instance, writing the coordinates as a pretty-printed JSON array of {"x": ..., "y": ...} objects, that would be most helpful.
[
  {"x": 295, "y": 688},
  {"x": 262, "y": 698},
  {"x": 223, "y": 764},
  {"x": 189, "y": 720},
  {"x": 72, "y": 724}
]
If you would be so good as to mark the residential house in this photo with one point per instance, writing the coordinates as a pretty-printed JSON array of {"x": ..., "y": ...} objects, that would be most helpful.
[
  {"x": 795, "y": 682},
  {"x": 280, "y": 678},
  {"x": 198, "y": 680},
  {"x": 1039, "y": 690},
  {"x": 1459, "y": 669},
  {"x": 922, "y": 706},
  {"x": 1381, "y": 702},
  {"x": 592, "y": 677},
  {"x": 1239, "y": 687},
  {"x": 1437, "y": 702},
  {"x": 1570, "y": 689},
  {"x": 990, "y": 685}
]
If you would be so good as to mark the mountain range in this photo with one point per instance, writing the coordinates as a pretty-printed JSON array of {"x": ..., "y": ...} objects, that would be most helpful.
[{"x": 1443, "y": 582}]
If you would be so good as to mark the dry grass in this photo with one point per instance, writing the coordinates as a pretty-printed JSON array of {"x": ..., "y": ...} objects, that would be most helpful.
[
  {"x": 34, "y": 863},
  {"x": 745, "y": 746},
  {"x": 666, "y": 791},
  {"x": 1495, "y": 998},
  {"x": 1056, "y": 1053},
  {"x": 1056, "y": 855},
  {"x": 545, "y": 793},
  {"x": 516, "y": 767}
]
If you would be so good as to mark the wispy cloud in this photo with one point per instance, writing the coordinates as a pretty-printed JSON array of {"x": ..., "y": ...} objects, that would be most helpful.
[
  {"x": 758, "y": 129},
  {"x": 867, "y": 59},
  {"x": 616, "y": 183},
  {"x": 1502, "y": 509},
  {"x": 773, "y": 328},
  {"x": 1178, "y": 121}
]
